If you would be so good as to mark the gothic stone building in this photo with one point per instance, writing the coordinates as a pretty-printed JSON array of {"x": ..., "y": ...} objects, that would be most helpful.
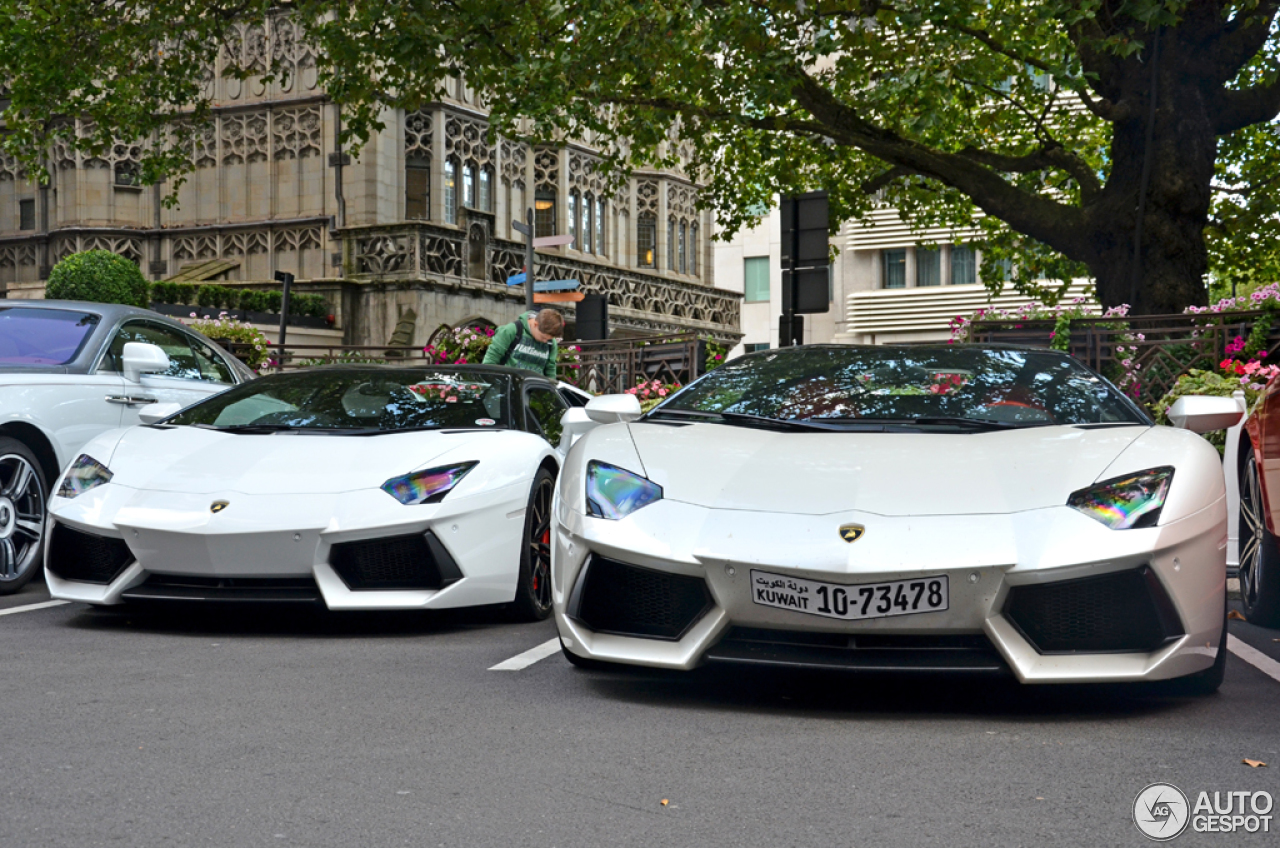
[{"x": 420, "y": 220}]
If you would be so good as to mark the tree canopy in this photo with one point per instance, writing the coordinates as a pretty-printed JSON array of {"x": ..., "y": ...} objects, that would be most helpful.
[{"x": 1071, "y": 131}]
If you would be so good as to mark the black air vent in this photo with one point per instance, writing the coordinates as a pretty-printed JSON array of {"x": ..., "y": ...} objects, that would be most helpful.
[
  {"x": 418, "y": 561},
  {"x": 86, "y": 557},
  {"x": 1124, "y": 612},
  {"x": 633, "y": 601}
]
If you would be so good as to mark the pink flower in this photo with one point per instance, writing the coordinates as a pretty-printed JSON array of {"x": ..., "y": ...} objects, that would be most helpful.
[{"x": 662, "y": 392}]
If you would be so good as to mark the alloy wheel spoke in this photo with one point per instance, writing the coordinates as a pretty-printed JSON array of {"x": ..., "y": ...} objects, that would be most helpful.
[
  {"x": 22, "y": 477},
  {"x": 28, "y": 528},
  {"x": 8, "y": 560}
]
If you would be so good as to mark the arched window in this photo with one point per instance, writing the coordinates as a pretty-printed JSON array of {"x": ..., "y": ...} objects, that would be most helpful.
[
  {"x": 600, "y": 212},
  {"x": 544, "y": 213},
  {"x": 574, "y": 202},
  {"x": 417, "y": 189},
  {"x": 647, "y": 240},
  {"x": 671, "y": 243},
  {"x": 450, "y": 191},
  {"x": 693, "y": 248},
  {"x": 684, "y": 254},
  {"x": 588, "y": 228},
  {"x": 469, "y": 186},
  {"x": 486, "y": 189}
]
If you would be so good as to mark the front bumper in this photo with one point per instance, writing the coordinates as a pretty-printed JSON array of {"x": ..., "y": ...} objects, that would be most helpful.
[
  {"x": 353, "y": 551},
  {"x": 984, "y": 558}
]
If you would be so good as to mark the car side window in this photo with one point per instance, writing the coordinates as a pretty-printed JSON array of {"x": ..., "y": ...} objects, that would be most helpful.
[
  {"x": 543, "y": 408},
  {"x": 183, "y": 364},
  {"x": 572, "y": 398},
  {"x": 212, "y": 366}
]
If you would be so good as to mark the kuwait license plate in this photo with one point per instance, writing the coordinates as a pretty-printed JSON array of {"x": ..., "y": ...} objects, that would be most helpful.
[{"x": 849, "y": 603}]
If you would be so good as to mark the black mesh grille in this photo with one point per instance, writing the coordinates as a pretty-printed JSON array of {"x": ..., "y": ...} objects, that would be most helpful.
[
  {"x": 1128, "y": 611},
  {"x": 632, "y": 601},
  {"x": 74, "y": 555},
  {"x": 885, "y": 651},
  {"x": 397, "y": 562}
]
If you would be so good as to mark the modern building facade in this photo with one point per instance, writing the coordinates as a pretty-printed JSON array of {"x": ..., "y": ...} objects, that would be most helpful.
[
  {"x": 419, "y": 220},
  {"x": 888, "y": 283}
]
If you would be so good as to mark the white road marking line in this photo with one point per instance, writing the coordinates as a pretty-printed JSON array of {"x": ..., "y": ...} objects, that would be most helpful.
[
  {"x": 530, "y": 656},
  {"x": 30, "y": 607},
  {"x": 1251, "y": 655}
]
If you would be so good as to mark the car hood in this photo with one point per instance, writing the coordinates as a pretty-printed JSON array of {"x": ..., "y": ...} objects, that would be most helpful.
[
  {"x": 729, "y": 467},
  {"x": 196, "y": 460}
]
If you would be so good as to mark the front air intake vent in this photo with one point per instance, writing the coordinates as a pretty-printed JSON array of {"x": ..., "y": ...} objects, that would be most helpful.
[
  {"x": 1124, "y": 612},
  {"x": 418, "y": 561},
  {"x": 86, "y": 557},
  {"x": 633, "y": 601}
]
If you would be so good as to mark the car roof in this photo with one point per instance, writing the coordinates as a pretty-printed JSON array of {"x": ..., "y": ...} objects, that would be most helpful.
[{"x": 108, "y": 311}]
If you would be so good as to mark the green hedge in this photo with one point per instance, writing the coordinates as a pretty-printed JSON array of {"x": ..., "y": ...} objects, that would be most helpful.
[
  {"x": 214, "y": 296},
  {"x": 98, "y": 276}
]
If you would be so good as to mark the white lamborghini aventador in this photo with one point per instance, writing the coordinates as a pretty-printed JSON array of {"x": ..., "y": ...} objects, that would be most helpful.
[
  {"x": 364, "y": 487},
  {"x": 898, "y": 508}
]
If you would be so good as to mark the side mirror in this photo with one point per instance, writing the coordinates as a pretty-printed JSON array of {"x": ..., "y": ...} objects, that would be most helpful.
[
  {"x": 1205, "y": 413},
  {"x": 573, "y": 425},
  {"x": 143, "y": 358},
  {"x": 611, "y": 409},
  {"x": 153, "y": 412}
]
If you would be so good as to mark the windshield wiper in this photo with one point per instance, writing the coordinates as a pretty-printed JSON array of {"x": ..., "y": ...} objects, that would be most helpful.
[
  {"x": 259, "y": 429},
  {"x": 740, "y": 419},
  {"x": 942, "y": 421}
]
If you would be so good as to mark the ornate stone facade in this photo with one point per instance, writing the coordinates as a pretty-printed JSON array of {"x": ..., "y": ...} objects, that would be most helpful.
[{"x": 426, "y": 207}]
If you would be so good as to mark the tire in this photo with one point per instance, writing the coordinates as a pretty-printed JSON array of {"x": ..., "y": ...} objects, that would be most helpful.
[
  {"x": 24, "y": 504},
  {"x": 1259, "y": 553},
  {"x": 533, "y": 586},
  {"x": 1204, "y": 682}
]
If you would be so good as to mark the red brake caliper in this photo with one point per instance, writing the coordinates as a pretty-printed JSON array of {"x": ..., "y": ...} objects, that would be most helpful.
[{"x": 546, "y": 540}]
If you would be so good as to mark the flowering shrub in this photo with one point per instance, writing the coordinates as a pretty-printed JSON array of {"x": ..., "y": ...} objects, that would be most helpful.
[
  {"x": 463, "y": 346},
  {"x": 715, "y": 356},
  {"x": 1081, "y": 307},
  {"x": 255, "y": 354},
  {"x": 650, "y": 393}
]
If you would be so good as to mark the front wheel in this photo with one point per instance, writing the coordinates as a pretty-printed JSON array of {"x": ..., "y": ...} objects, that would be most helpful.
[
  {"x": 23, "y": 504},
  {"x": 533, "y": 587},
  {"x": 1259, "y": 553}
]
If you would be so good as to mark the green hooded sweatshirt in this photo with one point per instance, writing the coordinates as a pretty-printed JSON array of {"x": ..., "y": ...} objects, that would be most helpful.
[{"x": 513, "y": 345}]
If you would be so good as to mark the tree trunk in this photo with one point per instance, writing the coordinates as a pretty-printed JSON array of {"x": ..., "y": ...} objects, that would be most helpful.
[{"x": 1173, "y": 259}]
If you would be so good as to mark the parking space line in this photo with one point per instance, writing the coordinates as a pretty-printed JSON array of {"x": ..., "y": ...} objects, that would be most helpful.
[
  {"x": 529, "y": 657},
  {"x": 1254, "y": 657},
  {"x": 30, "y": 607}
]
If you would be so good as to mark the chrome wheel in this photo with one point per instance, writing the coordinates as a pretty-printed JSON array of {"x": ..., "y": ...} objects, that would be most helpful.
[
  {"x": 22, "y": 505},
  {"x": 1252, "y": 531}
]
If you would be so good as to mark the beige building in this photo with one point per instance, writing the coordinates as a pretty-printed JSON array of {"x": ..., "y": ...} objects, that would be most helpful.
[
  {"x": 888, "y": 283},
  {"x": 420, "y": 219}
]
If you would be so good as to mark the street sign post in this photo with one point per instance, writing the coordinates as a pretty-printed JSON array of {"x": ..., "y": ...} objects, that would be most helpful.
[
  {"x": 805, "y": 263},
  {"x": 526, "y": 228},
  {"x": 286, "y": 279}
]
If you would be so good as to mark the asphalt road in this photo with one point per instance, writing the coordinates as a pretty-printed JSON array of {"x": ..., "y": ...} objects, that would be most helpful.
[{"x": 277, "y": 727}]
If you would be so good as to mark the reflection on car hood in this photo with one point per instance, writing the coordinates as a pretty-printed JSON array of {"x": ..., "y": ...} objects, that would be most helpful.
[
  {"x": 196, "y": 460},
  {"x": 726, "y": 467}
]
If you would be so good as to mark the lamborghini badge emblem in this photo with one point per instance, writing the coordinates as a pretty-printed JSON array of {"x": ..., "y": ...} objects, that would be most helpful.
[
  {"x": 218, "y": 506},
  {"x": 851, "y": 532}
]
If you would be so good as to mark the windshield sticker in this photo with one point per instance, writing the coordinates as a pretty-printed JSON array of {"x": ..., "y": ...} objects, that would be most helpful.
[{"x": 485, "y": 422}]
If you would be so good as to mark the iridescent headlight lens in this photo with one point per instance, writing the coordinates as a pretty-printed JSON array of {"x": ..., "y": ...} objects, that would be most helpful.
[
  {"x": 614, "y": 492},
  {"x": 1128, "y": 502},
  {"x": 430, "y": 486},
  {"x": 84, "y": 474}
]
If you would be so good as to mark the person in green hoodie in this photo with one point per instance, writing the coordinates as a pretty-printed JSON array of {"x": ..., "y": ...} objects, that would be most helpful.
[{"x": 530, "y": 342}]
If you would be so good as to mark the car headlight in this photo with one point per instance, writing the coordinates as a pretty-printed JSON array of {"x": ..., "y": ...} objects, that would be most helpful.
[
  {"x": 84, "y": 474},
  {"x": 430, "y": 486},
  {"x": 614, "y": 492},
  {"x": 1127, "y": 502}
]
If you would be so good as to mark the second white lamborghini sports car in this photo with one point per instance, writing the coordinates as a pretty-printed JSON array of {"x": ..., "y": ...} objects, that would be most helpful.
[
  {"x": 926, "y": 508},
  {"x": 365, "y": 487}
]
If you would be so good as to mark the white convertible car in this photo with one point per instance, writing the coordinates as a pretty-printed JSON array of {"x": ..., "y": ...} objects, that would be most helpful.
[
  {"x": 925, "y": 508},
  {"x": 363, "y": 487}
]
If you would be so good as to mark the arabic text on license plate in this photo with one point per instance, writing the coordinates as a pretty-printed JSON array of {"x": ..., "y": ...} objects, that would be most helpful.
[{"x": 849, "y": 603}]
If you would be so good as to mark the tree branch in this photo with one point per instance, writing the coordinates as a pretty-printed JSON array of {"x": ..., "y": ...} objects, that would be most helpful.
[{"x": 1237, "y": 109}]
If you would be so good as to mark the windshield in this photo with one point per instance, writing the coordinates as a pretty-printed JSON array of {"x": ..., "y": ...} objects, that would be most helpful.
[
  {"x": 42, "y": 336},
  {"x": 358, "y": 399},
  {"x": 912, "y": 385}
]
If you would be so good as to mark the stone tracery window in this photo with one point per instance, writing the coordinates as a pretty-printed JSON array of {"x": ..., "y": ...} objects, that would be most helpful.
[
  {"x": 544, "y": 213},
  {"x": 469, "y": 186},
  {"x": 575, "y": 203},
  {"x": 693, "y": 248},
  {"x": 600, "y": 213},
  {"x": 485, "y": 198},
  {"x": 671, "y": 243},
  {"x": 683, "y": 253},
  {"x": 450, "y": 191},
  {"x": 417, "y": 188},
  {"x": 587, "y": 223},
  {"x": 647, "y": 240}
]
